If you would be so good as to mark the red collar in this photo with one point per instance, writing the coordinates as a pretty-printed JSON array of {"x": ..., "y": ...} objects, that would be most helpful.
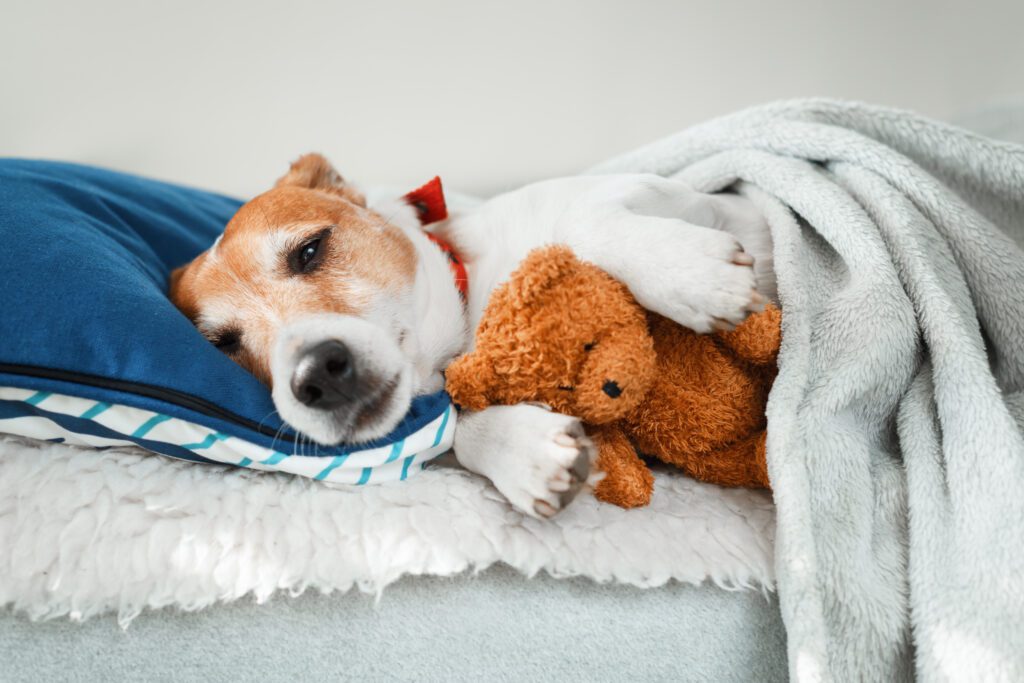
[{"x": 430, "y": 206}]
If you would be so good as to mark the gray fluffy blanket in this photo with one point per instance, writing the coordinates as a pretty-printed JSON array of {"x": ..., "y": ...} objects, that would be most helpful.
[{"x": 895, "y": 425}]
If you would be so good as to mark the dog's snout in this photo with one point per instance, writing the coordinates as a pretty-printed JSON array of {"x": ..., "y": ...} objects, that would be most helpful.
[
  {"x": 611, "y": 388},
  {"x": 324, "y": 376}
]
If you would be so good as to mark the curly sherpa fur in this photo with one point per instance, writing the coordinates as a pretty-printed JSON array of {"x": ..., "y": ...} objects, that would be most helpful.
[{"x": 85, "y": 532}]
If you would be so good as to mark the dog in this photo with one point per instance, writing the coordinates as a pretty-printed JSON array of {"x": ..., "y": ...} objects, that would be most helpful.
[{"x": 348, "y": 311}]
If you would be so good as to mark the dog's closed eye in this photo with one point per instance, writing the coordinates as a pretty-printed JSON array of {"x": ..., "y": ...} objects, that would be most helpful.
[{"x": 227, "y": 341}]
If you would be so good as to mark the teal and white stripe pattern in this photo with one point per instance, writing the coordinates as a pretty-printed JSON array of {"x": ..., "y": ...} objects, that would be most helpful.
[{"x": 392, "y": 462}]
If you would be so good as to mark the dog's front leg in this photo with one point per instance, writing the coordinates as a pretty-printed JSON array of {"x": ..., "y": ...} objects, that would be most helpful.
[
  {"x": 538, "y": 459},
  {"x": 649, "y": 232}
]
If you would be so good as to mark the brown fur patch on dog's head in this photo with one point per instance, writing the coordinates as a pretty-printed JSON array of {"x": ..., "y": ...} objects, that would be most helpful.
[{"x": 561, "y": 332}]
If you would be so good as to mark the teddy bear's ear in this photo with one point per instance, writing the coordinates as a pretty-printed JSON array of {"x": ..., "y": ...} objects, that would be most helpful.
[
  {"x": 541, "y": 269},
  {"x": 469, "y": 380}
]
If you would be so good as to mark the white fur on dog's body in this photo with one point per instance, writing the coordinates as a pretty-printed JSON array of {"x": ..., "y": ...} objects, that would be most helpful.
[
  {"x": 644, "y": 230},
  {"x": 439, "y": 330}
]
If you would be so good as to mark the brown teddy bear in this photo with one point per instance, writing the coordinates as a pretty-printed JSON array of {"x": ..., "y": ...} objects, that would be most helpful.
[{"x": 565, "y": 333}]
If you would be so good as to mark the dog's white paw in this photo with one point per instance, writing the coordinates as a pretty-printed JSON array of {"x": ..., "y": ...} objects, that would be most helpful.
[
  {"x": 672, "y": 246},
  {"x": 560, "y": 457},
  {"x": 539, "y": 460},
  {"x": 699, "y": 277}
]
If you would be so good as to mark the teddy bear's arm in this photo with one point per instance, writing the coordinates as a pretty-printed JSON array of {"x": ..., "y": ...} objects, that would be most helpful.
[
  {"x": 627, "y": 481},
  {"x": 757, "y": 339}
]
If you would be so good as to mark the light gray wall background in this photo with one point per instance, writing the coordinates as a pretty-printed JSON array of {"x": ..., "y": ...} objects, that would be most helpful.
[{"x": 223, "y": 94}]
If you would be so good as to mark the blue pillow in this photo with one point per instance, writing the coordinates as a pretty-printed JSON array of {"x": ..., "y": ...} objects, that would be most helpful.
[{"x": 92, "y": 352}]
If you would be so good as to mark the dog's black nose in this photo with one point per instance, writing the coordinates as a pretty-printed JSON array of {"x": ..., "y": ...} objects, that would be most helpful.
[
  {"x": 325, "y": 376},
  {"x": 611, "y": 388}
]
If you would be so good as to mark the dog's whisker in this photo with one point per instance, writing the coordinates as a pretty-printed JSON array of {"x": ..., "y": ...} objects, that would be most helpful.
[
  {"x": 277, "y": 435},
  {"x": 259, "y": 425}
]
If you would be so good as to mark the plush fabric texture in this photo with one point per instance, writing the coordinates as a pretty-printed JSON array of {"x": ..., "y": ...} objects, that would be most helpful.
[
  {"x": 85, "y": 255},
  {"x": 895, "y": 444},
  {"x": 84, "y": 533},
  {"x": 563, "y": 332}
]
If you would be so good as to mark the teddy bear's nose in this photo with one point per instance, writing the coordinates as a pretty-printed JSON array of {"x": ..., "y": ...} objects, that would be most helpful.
[{"x": 611, "y": 388}]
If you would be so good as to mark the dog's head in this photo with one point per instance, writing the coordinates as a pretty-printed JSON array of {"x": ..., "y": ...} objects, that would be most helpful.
[{"x": 311, "y": 292}]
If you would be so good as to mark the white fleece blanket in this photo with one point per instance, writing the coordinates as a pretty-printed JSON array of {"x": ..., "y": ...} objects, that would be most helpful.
[
  {"x": 896, "y": 423},
  {"x": 85, "y": 532}
]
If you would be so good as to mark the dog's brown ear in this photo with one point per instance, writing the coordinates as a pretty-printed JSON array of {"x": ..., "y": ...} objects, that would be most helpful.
[
  {"x": 469, "y": 381},
  {"x": 177, "y": 294},
  {"x": 313, "y": 171},
  {"x": 176, "y": 283},
  {"x": 175, "y": 280}
]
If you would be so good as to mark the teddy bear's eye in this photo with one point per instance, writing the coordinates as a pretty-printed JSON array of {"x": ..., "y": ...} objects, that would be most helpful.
[{"x": 589, "y": 346}]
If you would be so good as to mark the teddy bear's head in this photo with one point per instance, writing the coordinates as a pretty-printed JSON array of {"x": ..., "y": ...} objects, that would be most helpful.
[{"x": 561, "y": 332}]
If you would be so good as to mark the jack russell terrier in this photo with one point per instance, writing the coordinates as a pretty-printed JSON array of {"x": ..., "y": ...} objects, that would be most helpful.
[{"x": 348, "y": 311}]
